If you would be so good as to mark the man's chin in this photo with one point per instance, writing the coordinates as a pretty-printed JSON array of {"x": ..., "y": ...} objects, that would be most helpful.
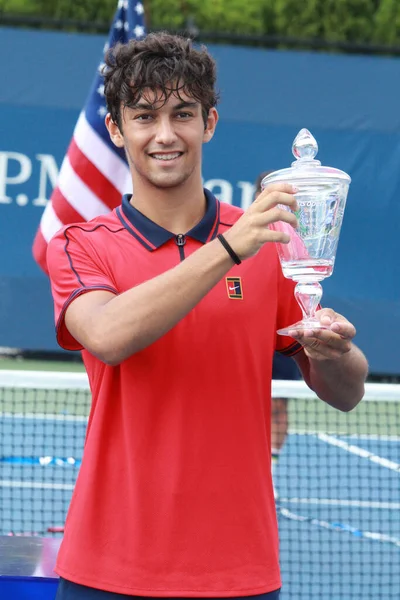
[{"x": 168, "y": 182}]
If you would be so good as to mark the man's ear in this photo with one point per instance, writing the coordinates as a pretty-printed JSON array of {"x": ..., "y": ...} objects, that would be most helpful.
[
  {"x": 211, "y": 124},
  {"x": 114, "y": 131}
]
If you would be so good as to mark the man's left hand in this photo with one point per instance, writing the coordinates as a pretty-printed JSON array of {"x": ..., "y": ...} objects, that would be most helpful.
[{"x": 330, "y": 343}]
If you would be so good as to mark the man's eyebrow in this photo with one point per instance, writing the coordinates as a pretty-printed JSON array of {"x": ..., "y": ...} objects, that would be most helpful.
[
  {"x": 152, "y": 107},
  {"x": 143, "y": 106},
  {"x": 185, "y": 104}
]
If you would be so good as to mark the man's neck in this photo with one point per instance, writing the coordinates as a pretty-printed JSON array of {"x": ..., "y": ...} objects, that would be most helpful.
[{"x": 175, "y": 209}]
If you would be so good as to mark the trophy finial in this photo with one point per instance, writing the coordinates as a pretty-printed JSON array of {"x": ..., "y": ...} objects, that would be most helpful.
[{"x": 305, "y": 146}]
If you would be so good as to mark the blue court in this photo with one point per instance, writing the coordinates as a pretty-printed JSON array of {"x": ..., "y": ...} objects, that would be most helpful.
[{"x": 338, "y": 506}]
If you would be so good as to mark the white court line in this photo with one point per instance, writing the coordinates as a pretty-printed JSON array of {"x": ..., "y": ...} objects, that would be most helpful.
[
  {"x": 383, "y": 462},
  {"x": 38, "y": 485},
  {"x": 337, "y": 526},
  {"x": 337, "y": 502},
  {"x": 344, "y": 433},
  {"x": 44, "y": 417},
  {"x": 373, "y": 437}
]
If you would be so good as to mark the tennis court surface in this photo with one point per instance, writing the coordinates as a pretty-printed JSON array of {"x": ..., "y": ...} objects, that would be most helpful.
[{"x": 338, "y": 480}]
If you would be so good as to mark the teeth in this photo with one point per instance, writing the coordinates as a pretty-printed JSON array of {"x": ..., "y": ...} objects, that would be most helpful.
[{"x": 166, "y": 156}]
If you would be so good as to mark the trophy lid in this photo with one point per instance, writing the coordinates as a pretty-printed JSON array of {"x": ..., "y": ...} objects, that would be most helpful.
[{"x": 306, "y": 167}]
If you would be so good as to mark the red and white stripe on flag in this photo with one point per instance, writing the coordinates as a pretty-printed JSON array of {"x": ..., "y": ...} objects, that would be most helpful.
[
  {"x": 91, "y": 182},
  {"x": 94, "y": 174}
]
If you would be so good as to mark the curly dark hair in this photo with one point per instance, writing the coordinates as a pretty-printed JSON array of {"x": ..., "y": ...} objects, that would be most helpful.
[{"x": 164, "y": 63}]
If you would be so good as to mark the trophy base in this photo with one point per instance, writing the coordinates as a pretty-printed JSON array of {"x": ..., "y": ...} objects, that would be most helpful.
[{"x": 306, "y": 325}]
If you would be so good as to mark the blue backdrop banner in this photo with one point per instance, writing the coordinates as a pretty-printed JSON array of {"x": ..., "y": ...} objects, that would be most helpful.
[{"x": 349, "y": 103}]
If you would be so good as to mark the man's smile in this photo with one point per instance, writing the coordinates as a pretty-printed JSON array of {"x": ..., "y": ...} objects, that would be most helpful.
[{"x": 166, "y": 156}]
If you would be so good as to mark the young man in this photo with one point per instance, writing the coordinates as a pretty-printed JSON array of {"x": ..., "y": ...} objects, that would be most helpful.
[
  {"x": 282, "y": 368},
  {"x": 174, "y": 300}
]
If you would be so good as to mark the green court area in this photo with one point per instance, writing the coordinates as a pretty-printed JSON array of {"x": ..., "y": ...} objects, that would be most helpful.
[
  {"x": 380, "y": 418},
  {"x": 26, "y": 364},
  {"x": 370, "y": 418},
  {"x": 373, "y": 418},
  {"x": 50, "y": 402}
]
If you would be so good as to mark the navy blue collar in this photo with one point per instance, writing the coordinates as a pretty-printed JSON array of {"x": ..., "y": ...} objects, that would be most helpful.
[{"x": 153, "y": 236}]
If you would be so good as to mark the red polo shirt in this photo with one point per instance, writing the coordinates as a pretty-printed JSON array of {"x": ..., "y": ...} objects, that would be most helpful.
[{"x": 174, "y": 496}]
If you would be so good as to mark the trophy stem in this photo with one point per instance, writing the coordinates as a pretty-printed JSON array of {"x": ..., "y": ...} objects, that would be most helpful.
[{"x": 308, "y": 294}]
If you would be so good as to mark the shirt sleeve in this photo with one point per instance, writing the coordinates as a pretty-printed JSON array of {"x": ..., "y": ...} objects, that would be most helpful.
[
  {"x": 73, "y": 271},
  {"x": 289, "y": 312}
]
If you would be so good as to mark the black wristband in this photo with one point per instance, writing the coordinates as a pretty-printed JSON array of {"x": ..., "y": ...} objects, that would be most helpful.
[{"x": 229, "y": 250}]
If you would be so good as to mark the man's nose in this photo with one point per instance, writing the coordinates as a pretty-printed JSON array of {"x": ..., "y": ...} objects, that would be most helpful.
[{"x": 165, "y": 132}]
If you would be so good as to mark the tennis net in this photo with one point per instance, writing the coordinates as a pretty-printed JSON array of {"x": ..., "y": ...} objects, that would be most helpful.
[{"x": 337, "y": 479}]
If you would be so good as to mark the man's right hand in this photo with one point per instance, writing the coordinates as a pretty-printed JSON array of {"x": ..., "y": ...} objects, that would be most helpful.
[{"x": 251, "y": 231}]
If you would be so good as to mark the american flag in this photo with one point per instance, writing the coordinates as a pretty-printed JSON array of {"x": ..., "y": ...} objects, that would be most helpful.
[{"x": 94, "y": 173}]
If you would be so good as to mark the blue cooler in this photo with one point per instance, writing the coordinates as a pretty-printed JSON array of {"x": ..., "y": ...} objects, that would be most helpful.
[{"x": 27, "y": 568}]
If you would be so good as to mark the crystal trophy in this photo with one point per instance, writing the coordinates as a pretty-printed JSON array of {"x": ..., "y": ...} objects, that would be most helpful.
[{"x": 309, "y": 256}]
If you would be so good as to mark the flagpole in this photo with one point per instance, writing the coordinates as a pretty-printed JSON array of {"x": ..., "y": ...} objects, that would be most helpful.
[{"x": 147, "y": 20}]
